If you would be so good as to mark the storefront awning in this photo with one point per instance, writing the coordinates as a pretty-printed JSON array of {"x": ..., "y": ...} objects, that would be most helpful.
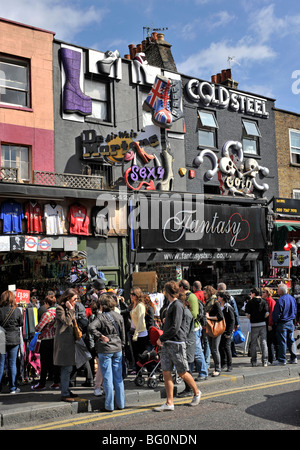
[{"x": 291, "y": 225}]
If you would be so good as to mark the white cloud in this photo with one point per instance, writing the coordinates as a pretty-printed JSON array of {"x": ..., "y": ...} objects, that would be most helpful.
[
  {"x": 65, "y": 18},
  {"x": 213, "y": 59},
  {"x": 265, "y": 24}
]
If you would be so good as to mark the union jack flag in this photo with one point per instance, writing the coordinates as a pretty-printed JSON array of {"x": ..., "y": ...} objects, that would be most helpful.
[{"x": 156, "y": 92}]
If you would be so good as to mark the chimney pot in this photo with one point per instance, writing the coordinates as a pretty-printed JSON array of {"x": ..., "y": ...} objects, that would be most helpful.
[
  {"x": 214, "y": 78},
  {"x": 139, "y": 48},
  {"x": 160, "y": 37}
]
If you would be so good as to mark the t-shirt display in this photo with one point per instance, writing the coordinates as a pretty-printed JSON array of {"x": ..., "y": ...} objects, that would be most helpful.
[
  {"x": 54, "y": 218},
  {"x": 33, "y": 214},
  {"x": 100, "y": 221},
  {"x": 78, "y": 219},
  {"x": 12, "y": 215}
]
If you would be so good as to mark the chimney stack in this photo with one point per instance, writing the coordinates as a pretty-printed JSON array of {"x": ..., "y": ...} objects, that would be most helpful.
[{"x": 225, "y": 78}]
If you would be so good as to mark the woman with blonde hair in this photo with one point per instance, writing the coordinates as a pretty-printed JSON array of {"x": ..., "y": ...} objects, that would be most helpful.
[
  {"x": 138, "y": 322},
  {"x": 11, "y": 320}
]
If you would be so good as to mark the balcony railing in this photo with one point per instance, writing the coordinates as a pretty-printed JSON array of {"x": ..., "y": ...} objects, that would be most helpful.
[{"x": 66, "y": 180}]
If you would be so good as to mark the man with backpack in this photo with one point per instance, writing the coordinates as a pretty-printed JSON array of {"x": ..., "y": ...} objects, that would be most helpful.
[{"x": 197, "y": 310}]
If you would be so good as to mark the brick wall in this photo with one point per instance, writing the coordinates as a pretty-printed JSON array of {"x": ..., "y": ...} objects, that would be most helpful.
[{"x": 288, "y": 175}]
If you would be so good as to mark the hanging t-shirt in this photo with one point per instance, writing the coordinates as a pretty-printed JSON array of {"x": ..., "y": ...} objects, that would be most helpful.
[
  {"x": 33, "y": 214},
  {"x": 54, "y": 218},
  {"x": 12, "y": 215},
  {"x": 78, "y": 219},
  {"x": 100, "y": 221}
]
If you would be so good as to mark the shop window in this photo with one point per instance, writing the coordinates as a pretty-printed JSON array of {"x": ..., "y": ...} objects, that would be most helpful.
[
  {"x": 16, "y": 157},
  {"x": 14, "y": 82},
  {"x": 251, "y": 135},
  {"x": 295, "y": 146},
  {"x": 100, "y": 94},
  {"x": 207, "y": 127}
]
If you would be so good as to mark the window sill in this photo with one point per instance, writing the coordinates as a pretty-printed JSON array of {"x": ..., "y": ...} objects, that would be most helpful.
[
  {"x": 296, "y": 165},
  {"x": 98, "y": 121},
  {"x": 18, "y": 108}
]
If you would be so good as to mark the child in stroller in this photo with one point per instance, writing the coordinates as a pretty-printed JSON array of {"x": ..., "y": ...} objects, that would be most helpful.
[{"x": 149, "y": 363}]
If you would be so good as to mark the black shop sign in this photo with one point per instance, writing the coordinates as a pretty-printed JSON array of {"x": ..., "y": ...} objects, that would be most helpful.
[{"x": 182, "y": 225}]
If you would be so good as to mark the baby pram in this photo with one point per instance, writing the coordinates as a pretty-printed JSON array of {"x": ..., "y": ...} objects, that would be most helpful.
[{"x": 149, "y": 361}]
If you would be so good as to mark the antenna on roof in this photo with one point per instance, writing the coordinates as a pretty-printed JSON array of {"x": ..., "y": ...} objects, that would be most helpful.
[
  {"x": 232, "y": 60},
  {"x": 151, "y": 29}
]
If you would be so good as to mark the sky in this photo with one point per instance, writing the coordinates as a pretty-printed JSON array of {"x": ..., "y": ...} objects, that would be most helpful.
[{"x": 262, "y": 36}]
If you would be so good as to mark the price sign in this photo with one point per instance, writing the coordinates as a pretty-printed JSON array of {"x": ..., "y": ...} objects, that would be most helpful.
[{"x": 22, "y": 296}]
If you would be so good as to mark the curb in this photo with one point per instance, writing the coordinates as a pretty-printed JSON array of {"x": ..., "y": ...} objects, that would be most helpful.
[{"x": 42, "y": 409}]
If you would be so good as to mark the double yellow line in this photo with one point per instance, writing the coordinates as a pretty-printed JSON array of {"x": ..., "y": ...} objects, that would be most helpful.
[{"x": 95, "y": 417}]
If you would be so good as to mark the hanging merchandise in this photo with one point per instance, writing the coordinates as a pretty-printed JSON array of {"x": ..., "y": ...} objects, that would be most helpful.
[
  {"x": 31, "y": 243},
  {"x": 100, "y": 221},
  {"x": 33, "y": 215},
  {"x": 12, "y": 215},
  {"x": 4, "y": 244},
  {"x": 54, "y": 218},
  {"x": 78, "y": 219}
]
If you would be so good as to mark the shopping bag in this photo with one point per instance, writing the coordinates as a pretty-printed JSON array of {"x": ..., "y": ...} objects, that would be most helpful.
[{"x": 238, "y": 337}]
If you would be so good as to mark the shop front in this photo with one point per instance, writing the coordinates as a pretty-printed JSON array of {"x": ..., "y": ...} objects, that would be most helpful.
[{"x": 187, "y": 236}]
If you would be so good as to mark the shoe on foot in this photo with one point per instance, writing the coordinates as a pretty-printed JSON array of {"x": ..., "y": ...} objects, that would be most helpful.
[
  {"x": 98, "y": 392},
  {"x": 164, "y": 407},
  {"x": 54, "y": 386},
  {"x": 67, "y": 399},
  {"x": 292, "y": 361},
  {"x": 38, "y": 387},
  {"x": 196, "y": 400},
  {"x": 16, "y": 391},
  {"x": 201, "y": 378},
  {"x": 279, "y": 363}
]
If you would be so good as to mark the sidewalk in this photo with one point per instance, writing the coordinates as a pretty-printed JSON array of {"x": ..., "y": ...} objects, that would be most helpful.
[{"x": 28, "y": 406}]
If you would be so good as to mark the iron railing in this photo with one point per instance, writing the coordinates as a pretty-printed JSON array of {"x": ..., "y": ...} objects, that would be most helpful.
[{"x": 44, "y": 178}]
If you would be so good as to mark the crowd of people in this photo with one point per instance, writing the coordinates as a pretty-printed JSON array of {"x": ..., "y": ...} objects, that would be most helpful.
[{"x": 113, "y": 332}]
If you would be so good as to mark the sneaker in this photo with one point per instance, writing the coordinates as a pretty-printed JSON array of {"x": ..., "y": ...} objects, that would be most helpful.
[
  {"x": 16, "y": 391},
  {"x": 38, "y": 387},
  {"x": 265, "y": 364},
  {"x": 164, "y": 407},
  {"x": 201, "y": 378},
  {"x": 196, "y": 400},
  {"x": 98, "y": 392},
  {"x": 55, "y": 386},
  {"x": 292, "y": 361},
  {"x": 279, "y": 363}
]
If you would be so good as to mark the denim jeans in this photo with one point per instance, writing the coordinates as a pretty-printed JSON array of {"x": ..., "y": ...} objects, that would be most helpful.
[
  {"x": 111, "y": 368},
  {"x": 65, "y": 372},
  {"x": 260, "y": 333},
  {"x": 200, "y": 363},
  {"x": 214, "y": 347},
  {"x": 206, "y": 348},
  {"x": 11, "y": 354},
  {"x": 285, "y": 340}
]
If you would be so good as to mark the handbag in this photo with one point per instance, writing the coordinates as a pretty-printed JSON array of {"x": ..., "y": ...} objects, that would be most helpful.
[
  {"x": 238, "y": 337},
  {"x": 77, "y": 331},
  {"x": 82, "y": 355},
  {"x": 215, "y": 328}
]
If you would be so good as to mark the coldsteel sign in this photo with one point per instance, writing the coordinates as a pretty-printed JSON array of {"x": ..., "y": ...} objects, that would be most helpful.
[{"x": 217, "y": 95}]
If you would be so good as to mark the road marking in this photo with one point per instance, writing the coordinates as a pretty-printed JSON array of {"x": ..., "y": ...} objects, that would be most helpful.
[{"x": 138, "y": 409}]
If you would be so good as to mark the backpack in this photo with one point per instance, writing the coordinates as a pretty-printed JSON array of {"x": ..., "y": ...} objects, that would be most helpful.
[{"x": 201, "y": 318}]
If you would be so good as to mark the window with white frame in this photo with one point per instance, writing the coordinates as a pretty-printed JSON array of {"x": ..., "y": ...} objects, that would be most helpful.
[
  {"x": 295, "y": 146},
  {"x": 207, "y": 127},
  {"x": 16, "y": 157},
  {"x": 14, "y": 81},
  {"x": 251, "y": 135},
  {"x": 99, "y": 93},
  {"x": 296, "y": 194}
]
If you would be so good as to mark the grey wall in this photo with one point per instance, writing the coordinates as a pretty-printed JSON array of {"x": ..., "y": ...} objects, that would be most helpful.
[{"x": 230, "y": 128}]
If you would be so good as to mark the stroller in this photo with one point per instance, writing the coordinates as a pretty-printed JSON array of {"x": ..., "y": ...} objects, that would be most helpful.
[{"x": 149, "y": 363}]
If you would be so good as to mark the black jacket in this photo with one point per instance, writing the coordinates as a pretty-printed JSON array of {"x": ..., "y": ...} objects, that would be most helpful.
[
  {"x": 174, "y": 326},
  {"x": 12, "y": 326}
]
